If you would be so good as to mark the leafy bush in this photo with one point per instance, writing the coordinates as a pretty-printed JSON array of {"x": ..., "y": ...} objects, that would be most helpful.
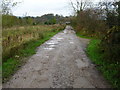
[
  {"x": 110, "y": 44},
  {"x": 87, "y": 22},
  {"x": 9, "y": 21}
]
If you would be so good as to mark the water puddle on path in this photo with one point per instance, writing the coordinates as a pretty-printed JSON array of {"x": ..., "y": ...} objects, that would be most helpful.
[
  {"x": 59, "y": 38},
  {"x": 51, "y": 44},
  {"x": 48, "y": 48},
  {"x": 65, "y": 31},
  {"x": 71, "y": 42}
]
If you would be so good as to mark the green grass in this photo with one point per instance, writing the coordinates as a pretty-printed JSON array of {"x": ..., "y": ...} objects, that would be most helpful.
[
  {"x": 11, "y": 65},
  {"x": 83, "y": 36},
  {"x": 93, "y": 50},
  {"x": 110, "y": 70}
]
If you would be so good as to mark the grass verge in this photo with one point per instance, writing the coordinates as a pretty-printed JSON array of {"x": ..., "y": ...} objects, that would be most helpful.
[
  {"x": 110, "y": 70},
  {"x": 83, "y": 36},
  {"x": 27, "y": 49}
]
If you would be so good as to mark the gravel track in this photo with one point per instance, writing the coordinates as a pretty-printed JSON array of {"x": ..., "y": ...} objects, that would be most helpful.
[{"x": 60, "y": 62}]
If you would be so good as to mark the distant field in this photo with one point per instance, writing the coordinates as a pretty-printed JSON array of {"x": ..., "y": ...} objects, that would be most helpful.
[{"x": 20, "y": 42}]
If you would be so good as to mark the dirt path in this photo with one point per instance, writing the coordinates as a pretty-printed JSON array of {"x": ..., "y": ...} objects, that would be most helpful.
[{"x": 59, "y": 63}]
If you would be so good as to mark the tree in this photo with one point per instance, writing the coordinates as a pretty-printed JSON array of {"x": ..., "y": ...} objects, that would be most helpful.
[
  {"x": 88, "y": 19},
  {"x": 109, "y": 8},
  {"x": 79, "y": 5},
  {"x": 7, "y": 5},
  {"x": 118, "y": 11}
]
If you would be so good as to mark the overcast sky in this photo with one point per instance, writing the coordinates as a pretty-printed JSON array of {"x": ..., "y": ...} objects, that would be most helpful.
[{"x": 41, "y": 7}]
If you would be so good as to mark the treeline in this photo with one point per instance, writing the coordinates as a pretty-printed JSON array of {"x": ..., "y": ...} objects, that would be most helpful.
[
  {"x": 10, "y": 21},
  {"x": 47, "y": 19},
  {"x": 101, "y": 21}
]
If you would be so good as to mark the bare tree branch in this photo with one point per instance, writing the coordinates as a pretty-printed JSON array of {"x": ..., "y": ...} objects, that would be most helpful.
[
  {"x": 7, "y": 5},
  {"x": 79, "y": 5},
  {"x": 73, "y": 5}
]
